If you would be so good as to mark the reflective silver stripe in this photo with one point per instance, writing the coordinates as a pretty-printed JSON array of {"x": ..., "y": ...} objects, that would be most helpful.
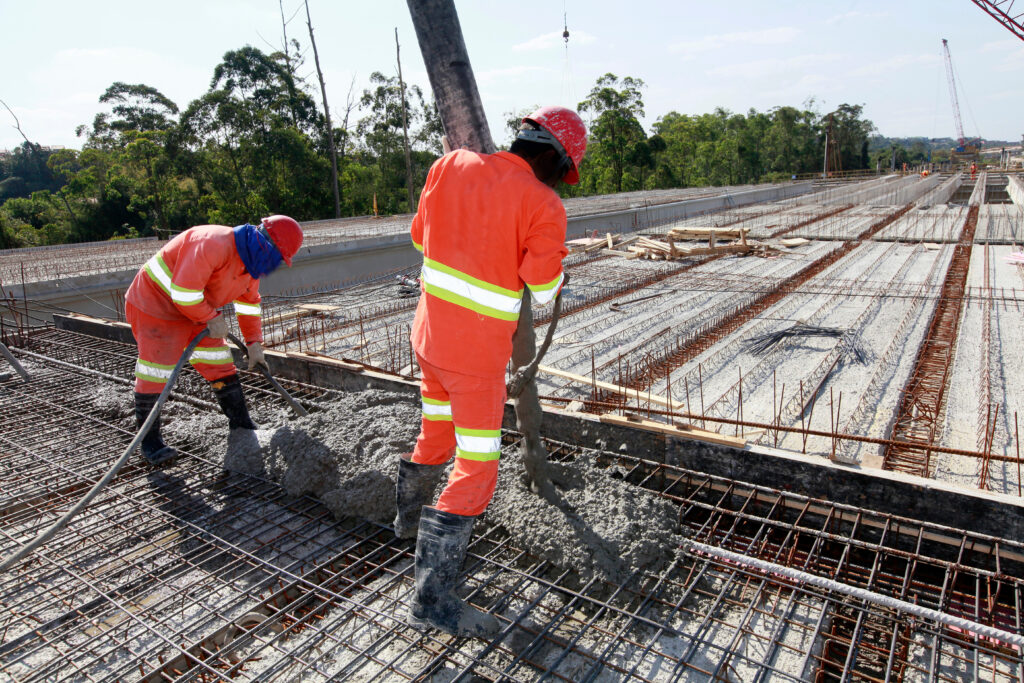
[
  {"x": 185, "y": 297},
  {"x": 152, "y": 371},
  {"x": 212, "y": 353},
  {"x": 431, "y": 409},
  {"x": 159, "y": 271},
  {"x": 246, "y": 309},
  {"x": 470, "y": 292},
  {"x": 478, "y": 444},
  {"x": 543, "y": 294},
  {"x": 156, "y": 269}
]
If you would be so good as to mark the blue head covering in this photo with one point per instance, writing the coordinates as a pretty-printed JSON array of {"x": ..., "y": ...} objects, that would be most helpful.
[{"x": 258, "y": 253}]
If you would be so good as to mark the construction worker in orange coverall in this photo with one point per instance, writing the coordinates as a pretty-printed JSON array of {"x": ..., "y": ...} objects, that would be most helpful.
[
  {"x": 176, "y": 295},
  {"x": 487, "y": 225}
]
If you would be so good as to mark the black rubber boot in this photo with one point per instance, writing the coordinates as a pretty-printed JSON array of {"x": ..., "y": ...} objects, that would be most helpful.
[
  {"x": 232, "y": 402},
  {"x": 415, "y": 488},
  {"x": 153, "y": 448},
  {"x": 440, "y": 551}
]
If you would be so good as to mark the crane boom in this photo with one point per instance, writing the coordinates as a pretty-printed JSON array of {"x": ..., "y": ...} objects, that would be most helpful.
[
  {"x": 952, "y": 95},
  {"x": 1002, "y": 11}
]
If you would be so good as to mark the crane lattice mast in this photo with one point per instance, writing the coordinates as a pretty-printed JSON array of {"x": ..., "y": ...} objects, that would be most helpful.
[
  {"x": 1002, "y": 11},
  {"x": 960, "y": 140}
]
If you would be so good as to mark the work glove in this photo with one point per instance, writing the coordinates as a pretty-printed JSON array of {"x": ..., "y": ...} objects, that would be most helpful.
[
  {"x": 218, "y": 327},
  {"x": 256, "y": 357}
]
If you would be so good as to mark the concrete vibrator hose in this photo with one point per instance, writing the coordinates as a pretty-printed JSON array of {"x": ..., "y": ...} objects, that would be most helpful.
[{"x": 48, "y": 533}]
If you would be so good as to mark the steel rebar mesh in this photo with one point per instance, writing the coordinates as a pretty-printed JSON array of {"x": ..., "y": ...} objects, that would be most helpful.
[{"x": 193, "y": 574}]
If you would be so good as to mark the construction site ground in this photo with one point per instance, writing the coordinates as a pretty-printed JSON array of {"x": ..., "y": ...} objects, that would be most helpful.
[{"x": 801, "y": 342}]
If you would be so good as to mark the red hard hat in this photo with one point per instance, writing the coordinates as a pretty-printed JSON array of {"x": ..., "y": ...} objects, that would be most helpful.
[
  {"x": 567, "y": 128},
  {"x": 286, "y": 235}
]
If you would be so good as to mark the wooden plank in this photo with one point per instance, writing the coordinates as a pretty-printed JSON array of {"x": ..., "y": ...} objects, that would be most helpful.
[
  {"x": 611, "y": 242},
  {"x": 320, "y": 358},
  {"x": 725, "y": 249},
  {"x": 702, "y": 233},
  {"x": 598, "y": 243},
  {"x": 318, "y": 308},
  {"x": 794, "y": 241},
  {"x": 663, "y": 428},
  {"x": 607, "y": 386}
]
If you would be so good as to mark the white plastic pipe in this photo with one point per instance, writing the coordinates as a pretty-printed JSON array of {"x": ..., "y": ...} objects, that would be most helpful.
[{"x": 972, "y": 627}]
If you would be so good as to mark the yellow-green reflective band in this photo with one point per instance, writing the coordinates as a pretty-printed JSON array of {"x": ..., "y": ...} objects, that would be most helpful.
[
  {"x": 186, "y": 297},
  {"x": 159, "y": 273},
  {"x": 437, "y": 418},
  {"x": 469, "y": 279},
  {"x": 417, "y": 245},
  {"x": 210, "y": 361},
  {"x": 481, "y": 442},
  {"x": 543, "y": 288},
  {"x": 469, "y": 292},
  {"x": 211, "y": 355},
  {"x": 543, "y": 294},
  {"x": 453, "y": 298},
  {"x": 242, "y": 308},
  {"x": 490, "y": 433},
  {"x": 479, "y": 457},
  {"x": 153, "y": 372},
  {"x": 433, "y": 409}
]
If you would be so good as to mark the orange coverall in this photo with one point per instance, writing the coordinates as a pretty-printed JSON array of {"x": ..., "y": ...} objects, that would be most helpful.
[
  {"x": 177, "y": 292},
  {"x": 486, "y": 226}
]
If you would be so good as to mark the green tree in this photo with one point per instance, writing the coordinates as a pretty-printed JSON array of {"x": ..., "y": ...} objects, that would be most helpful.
[
  {"x": 250, "y": 143},
  {"x": 381, "y": 134},
  {"x": 615, "y": 108}
]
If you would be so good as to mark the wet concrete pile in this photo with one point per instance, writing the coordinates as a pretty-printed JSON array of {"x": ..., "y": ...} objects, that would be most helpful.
[
  {"x": 345, "y": 455},
  {"x": 603, "y": 528}
]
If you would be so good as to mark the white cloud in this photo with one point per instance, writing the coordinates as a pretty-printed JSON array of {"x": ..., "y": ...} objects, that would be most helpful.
[
  {"x": 771, "y": 36},
  {"x": 547, "y": 41},
  {"x": 895, "y": 63},
  {"x": 513, "y": 73},
  {"x": 771, "y": 67},
  {"x": 855, "y": 15}
]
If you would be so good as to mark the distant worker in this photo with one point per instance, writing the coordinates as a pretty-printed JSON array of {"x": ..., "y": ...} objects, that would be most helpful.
[
  {"x": 974, "y": 169},
  {"x": 487, "y": 225},
  {"x": 176, "y": 295}
]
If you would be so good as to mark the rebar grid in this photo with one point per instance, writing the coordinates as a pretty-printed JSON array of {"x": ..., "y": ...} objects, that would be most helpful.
[
  {"x": 684, "y": 348},
  {"x": 191, "y": 574},
  {"x": 919, "y": 417}
]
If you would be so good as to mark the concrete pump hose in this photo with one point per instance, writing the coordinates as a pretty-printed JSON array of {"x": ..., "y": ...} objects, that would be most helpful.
[
  {"x": 295, "y": 405},
  {"x": 14, "y": 362},
  {"x": 925, "y": 613},
  {"x": 47, "y": 534},
  {"x": 520, "y": 379}
]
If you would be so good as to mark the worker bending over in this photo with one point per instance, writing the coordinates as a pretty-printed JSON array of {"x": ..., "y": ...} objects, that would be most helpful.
[
  {"x": 176, "y": 295},
  {"x": 487, "y": 224}
]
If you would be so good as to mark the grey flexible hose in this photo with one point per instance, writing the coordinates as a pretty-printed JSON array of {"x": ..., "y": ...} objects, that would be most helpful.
[
  {"x": 47, "y": 534},
  {"x": 522, "y": 376},
  {"x": 295, "y": 405},
  {"x": 14, "y": 362}
]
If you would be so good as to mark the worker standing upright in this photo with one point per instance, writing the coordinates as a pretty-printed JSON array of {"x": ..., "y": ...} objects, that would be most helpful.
[
  {"x": 487, "y": 225},
  {"x": 176, "y": 295}
]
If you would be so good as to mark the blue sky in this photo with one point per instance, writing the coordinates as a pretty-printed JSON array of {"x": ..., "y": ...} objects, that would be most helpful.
[{"x": 59, "y": 56}]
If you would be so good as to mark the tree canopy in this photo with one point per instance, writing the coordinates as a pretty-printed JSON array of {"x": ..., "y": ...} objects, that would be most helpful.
[{"x": 256, "y": 142}]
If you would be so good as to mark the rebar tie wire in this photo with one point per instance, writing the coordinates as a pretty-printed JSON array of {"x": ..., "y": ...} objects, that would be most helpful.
[{"x": 47, "y": 534}]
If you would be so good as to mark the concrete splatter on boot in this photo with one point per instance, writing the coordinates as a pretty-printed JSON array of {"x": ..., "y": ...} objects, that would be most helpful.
[
  {"x": 414, "y": 489},
  {"x": 153, "y": 448},
  {"x": 440, "y": 551},
  {"x": 232, "y": 402}
]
